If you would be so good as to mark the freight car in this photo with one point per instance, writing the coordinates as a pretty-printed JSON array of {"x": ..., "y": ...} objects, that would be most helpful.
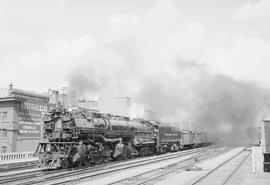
[
  {"x": 80, "y": 137},
  {"x": 188, "y": 139},
  {"x": 200, "y": 139},
  {"x": 173, "y": 139}
]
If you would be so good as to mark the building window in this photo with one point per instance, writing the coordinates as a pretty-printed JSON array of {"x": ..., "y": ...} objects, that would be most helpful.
[
  {"x": 4, "y": 116},
  {"x": 4, "y": 149},
  {"x": 3, "y": 132}
]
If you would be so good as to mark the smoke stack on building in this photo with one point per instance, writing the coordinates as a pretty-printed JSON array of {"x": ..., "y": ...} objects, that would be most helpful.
[{"x": 10, "y": 89}]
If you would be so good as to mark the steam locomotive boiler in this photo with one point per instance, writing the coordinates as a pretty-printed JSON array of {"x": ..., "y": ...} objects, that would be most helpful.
[{"x": 80, "y": 137}]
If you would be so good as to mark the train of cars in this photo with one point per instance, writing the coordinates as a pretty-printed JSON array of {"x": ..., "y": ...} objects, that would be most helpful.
[{"x": 79, "y": 137}]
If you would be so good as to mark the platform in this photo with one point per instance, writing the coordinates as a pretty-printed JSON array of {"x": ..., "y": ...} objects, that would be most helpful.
[
  {"x": 257, "y": 159},
  {"x": 245, "y": 174}
]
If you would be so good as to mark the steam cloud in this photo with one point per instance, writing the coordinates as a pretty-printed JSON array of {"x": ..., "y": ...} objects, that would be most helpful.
[{"x": 156, "y": 62}]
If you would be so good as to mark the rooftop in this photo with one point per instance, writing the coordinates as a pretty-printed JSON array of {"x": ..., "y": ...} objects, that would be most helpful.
[{"x": 14, "y": 93}]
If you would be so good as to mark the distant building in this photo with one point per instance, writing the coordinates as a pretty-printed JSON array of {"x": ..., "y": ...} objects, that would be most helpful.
[
  {"x": 58, "y": 97},
  {"x": 121, "y": 106},
  {"x": 89, "y": 105},
  {"x": 114, "y": 105},
  {"x": 20, "y": 119},
  {"x": 181, "y": 123},
  {"x": 151, "y": 115}
]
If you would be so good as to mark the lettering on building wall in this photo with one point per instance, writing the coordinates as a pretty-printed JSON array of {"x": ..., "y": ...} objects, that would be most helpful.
[
  {"x": 29, "y": 115},
  {"x": 34, "y": 107},
  {"x": 28, "y": 129}
]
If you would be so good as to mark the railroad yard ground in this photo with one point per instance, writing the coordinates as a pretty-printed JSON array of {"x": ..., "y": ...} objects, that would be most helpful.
[
  {"x": 237, "y": 171},
  {"x": 205, "y": 166},
  {"x": 16, "y": 166},
  {"x": 232, "y": 167}
]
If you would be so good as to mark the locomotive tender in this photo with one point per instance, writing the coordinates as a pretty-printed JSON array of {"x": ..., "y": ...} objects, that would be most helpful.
[{"x": 80, "y": 137}]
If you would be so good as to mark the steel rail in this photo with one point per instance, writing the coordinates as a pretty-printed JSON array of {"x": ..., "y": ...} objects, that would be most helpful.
[
  {"x": 184, "y": 164},
  {"x": 236, "y": 169},
  {"x": 33, "y": 176},
  {"x": 85, "y": 174},
  {"x": 7, "y": 167},
  {"x": 219, "y": 166}
]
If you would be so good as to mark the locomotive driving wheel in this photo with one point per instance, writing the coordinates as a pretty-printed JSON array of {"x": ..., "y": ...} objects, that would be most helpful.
[
  {"x": 98, "y": 160},
  {"x": 106, "y": 159},
  {"x": 80, "y": 162},
  {"x": 65, "y": 163},
  {"x": 88, "y": 161}
]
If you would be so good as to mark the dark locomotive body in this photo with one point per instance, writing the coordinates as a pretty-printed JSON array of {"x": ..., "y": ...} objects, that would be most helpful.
[
  {"x": 76, "y": 138},
  {"x": 81, "y": 137}
]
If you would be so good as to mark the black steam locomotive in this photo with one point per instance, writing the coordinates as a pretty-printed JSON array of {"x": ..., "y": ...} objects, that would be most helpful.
[{"x": 80, "y": 137}]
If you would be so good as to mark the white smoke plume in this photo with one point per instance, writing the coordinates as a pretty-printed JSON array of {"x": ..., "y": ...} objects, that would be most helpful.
[{"x": 156, "y": 61}]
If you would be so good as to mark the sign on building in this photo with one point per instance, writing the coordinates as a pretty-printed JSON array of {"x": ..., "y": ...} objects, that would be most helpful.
[{"x": 29, "y": 118}]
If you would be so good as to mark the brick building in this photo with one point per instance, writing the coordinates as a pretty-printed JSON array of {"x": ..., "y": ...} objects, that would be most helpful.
[{"x": 20, "y": 119}]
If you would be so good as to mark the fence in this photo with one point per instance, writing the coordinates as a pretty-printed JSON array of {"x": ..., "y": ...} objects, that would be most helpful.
[{"x": 6, "y": 158}]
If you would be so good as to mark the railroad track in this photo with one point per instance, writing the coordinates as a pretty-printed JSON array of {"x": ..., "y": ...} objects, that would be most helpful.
[
  {"x": 155, "y": 175},
  {"x": 7, "y": 168},
  {"x": 86, "y": 174},
  {"x": 64, "y": 176},
  {"x": 26, "y": 174},
  {"x": 235, "y": 170},
  {"x": 21, "y": 175},
  {"x": 232, "y": 171},
  {"x": 125, "y": 167}
]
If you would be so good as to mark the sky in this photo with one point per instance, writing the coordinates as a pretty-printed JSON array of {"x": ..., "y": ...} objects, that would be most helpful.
[
  {"x": 206, "y": 60},
  {"x": 41, "y": 42}
]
